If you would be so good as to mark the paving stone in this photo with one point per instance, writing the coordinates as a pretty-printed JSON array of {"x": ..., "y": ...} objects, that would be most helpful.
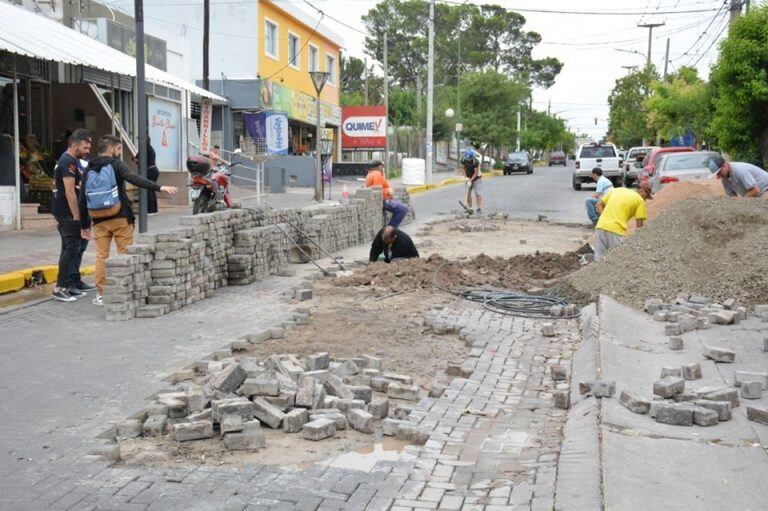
[
  {"x": 673, "y": 328},
  {"x": 723, "y": 408},
  {"x": 676, "y": 372},
  {"x": 562, "y": 396},
  {"x": 548, "y": 329},
  {"x": 436, "y": 390},
  {"x": 598, "y": 388},
  {"x": 742, "y": 376},
  {"x": 389, "y": 426},
  {"x": 346, "y": 405},
  {"x": 692, "y": 371},
  {"x": 674, "y": 414},
  {"x": 362, "y": 392},
  {"x": 399, "y": 378},
  {"x": 633, "y": 403},
  {"x": 187, "y": 431},
  {"x": 722, "y": 317},
  {"x": 318, "y": 361},
  {"x": 758, "y": 414},
  {"x": 230, "y": 423},
  {"x": 752, "y": 390},
  {"x": 360, "y": 420},
  {"x": 107, "y": 452},
  {"x": 229, "y": 379},
  {"x": 403, "y": 391},
  {"x": 318, "y": 429},
  {"x": 669, "y": 387},
  {"x": 705, "y": 417},
  {"x": 558, "y": 372},
  {"x": 336, "y": 387},
  {"x": 241, "y": 405},
  {"x": 675, "y": 343},
  {"x": 379, "y": 383},
  {"x": 303, "y": 294},
  {"x": 262, "y": 386},
  {"x": 295, "y": 420},
  {"x": 155, "y": 425},
  {"x": 250, "y": 438},
  {"x": 719, "y": 354},
  {"x": 730, "y": 395},
  {"x": 338, "y": 418},
  {"x": 129, "y": 428},
  {"x": 379, "y": 407},
  {"x": 373, "y": 362},
  {"x": 267, "y": 413}
]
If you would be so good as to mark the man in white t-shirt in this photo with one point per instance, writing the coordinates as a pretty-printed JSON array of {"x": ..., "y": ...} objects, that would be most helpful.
[{"x": 604, "y": 185}]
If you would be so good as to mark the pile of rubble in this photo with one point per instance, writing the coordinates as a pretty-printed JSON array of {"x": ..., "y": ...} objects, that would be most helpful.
[
  {"x": 315, "y": 397},
  {"x": 474, "y": 227},
  {"x": 697, "y": 312}
]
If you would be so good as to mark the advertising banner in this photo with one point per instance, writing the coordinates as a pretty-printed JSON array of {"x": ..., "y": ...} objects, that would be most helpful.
[
  {"x": 164, "y": 129},
  {"x": 206, "y": 118},
  {"x": 297, "y": 105},
  {"x": 363, "y": 128},
  {"x": 269, "y": 129}
]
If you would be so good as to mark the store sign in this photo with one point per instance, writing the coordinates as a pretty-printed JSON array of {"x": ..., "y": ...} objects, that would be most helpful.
[
  {"x": 268, "y": 130},
  {"x": 364, "y": 128},
  {"x": 206, "y": 119},
  {"x": 123, "y": 38},
  {"x": 164, "y": 130},
  {"x": 297, "y": 105}
]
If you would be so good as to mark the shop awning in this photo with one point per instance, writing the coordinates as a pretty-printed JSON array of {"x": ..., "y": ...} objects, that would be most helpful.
[{"x": 32, "y": 35}]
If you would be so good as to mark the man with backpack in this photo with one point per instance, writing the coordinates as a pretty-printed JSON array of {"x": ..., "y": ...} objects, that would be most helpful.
[
  {"x": 104, "y": 203},
  {"x": 67, "y": 179},
  {"x": 471, "y": 164}
]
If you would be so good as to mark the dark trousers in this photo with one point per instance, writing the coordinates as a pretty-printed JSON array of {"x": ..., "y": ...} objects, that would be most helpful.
[
  {"x": 74, "y": 276},
  {"x": 398, "y": 210},
  {"x": 69, "y": 230},
  {"x": 153, "y": 174}
]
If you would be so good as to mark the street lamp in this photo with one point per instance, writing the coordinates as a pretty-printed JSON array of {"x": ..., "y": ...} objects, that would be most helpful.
[
  {"x": 318, "y": 80},
  {"x": 449, "y": 114},
  {"x": 632, "y": 51}
]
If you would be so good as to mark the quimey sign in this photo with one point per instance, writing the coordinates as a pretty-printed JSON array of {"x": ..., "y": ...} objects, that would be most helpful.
[{"x": 363, "y": 128}]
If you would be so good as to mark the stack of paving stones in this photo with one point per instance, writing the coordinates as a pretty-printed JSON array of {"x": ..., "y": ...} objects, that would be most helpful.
[
  {"x": 696, "y": 312},
  {"x": 234, "y": 397},
  {"x": 165, "y": 271}
]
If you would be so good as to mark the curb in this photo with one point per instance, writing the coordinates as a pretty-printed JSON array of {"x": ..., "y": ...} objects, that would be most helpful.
[
  {"x": 416, "y": 189},
  {"x": 13, "y": 281}
]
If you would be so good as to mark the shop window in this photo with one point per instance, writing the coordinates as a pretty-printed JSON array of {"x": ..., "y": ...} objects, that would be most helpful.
[
  {"x": 293, "y": 50},
  {"x": 313, "y": 57},
  {"x": 330, "y": 63},
  {"x": 271, "y": 37}
]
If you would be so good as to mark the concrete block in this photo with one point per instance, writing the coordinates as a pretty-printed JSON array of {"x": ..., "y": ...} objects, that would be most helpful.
[
  {"x": 758, "y": 414},
  {"x": 196, "y": 400},
  {"x": 558, "y": 372},
  {"x": 267, "y": 413},
  {"x": 703, "y": 323},
  {"x": 318, "y": 429},
  {"x": 230, "y": 423},
  {"x": 129, "y": 428},
  {"x": 155, "y": 425},
  {"x": 562, "y": 399},
  {"x": 436, "y": 390},
  {"x": 723, "y": 408},
  {"x": 305, "y": 393},
  {"x": 285, "y": 401},
  {"x": 186, "y": 431},
  {"x": 660, "y": 316},
  {"x": 402, "y": 411},
  {"x": 360, "y": 420},
  {"x": 675, "y": 414},
  {"x": 107, "y": 452},
  {"x": 399, "y": 378},
  {"x": 704, "y": 416},
  {"x": 249, "y": 439},
  {"x": 685, "y": 397},
  {"x": 237, "y": 405},
  {"x": 669, "y": 387},
  {"x": 598, "y": 388},
  {"x": 345, "y": 405},
  {"x": 729, "y": 304},
  {"x": 379, "y": 407},
  {"x": 320, "y": 375},
  {"x": 295, "y": 420},
  {"x": 692, "y": 371},
  {"x": 403, "y": 391},
  {"x": 674, "y": 328},
  {"x": 362, "y": 392},
  {"x": 380, "y": 384},
  {"x": 751, "y": 390},
  {"x": 633, "y": 403},
  {"x": 761, "y": 309},
  {"x": 346, "y": 368},
  {"x": 652, "y": 305},
  {"x": 338, "y": 418},
  {"x": 412, "y": 434},
  {"x": 730, "y": 395},
  {"x": 205, "y": 415},
  {"x": 229, "y": 379},
  {"x": 336, "y": 387},
  {"x": 318, "y": 361},
  {"x": 303, "y": 294},
  {"x": 548, "y": 329},
  {"x": 373, "y": 362},
  {"x": 739, "y": 377},
  {"x": 676, "y": 372},
  {"x": 261, "y": 386},
  {"x": 389, "y": 427},
  {"x": 719, "y": 354},
  {"x": 722, "y": 317},
  {"x": 675, "y": 342}
]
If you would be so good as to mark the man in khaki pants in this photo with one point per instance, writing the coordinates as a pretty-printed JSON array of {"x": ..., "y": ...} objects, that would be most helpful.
[{"x": 104, "y": 203}]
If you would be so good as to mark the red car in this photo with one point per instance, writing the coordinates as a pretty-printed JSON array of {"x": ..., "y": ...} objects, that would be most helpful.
[{"x": 649, "y": 162}]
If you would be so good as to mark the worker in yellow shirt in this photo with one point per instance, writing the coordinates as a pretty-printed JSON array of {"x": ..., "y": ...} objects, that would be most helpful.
[{"x": 616, "y": 209}]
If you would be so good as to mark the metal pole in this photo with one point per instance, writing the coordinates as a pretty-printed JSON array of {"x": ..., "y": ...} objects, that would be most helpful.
[
  {"x": 458, "y": 98},
  {"x": 16, "y": 149},
  {"x": 430, "y": 88},
  {"x": 518, "y": 131},
  {"x": 735, "y": 10},
  {"x": 365, "y": 63},
  {"x": 141, "y": 106},
  {"x": 386, "y": 99},
  {"x": 206, "y": 38},
  {"x": 650, "y": 27},
  {"x": 318, "y": 162},
  {"x": 666, "y": 60}
]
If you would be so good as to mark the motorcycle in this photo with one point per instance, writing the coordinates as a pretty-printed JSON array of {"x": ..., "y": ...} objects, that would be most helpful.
[{"x": 210, "y": 186}]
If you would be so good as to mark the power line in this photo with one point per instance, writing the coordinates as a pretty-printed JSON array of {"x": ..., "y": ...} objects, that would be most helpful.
[
  {"x": 636, "y": 39},
  {"x": 600, "y": 13},
  {"x": 725, "y": 27},
  {"x": 719, "y": 13},
  {"x": 343, "y": 24}
]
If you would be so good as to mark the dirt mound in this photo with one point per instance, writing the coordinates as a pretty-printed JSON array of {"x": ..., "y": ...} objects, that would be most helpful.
[
  {"x": 515, "y": 273},
  {"x": 712, "y": 246},
  {"x": 676, "y": 192}
]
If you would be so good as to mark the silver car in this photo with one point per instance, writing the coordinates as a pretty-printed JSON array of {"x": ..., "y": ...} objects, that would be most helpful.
[
  {"x": 676, "y": 167},
  {"x": 633, "y": 164}
]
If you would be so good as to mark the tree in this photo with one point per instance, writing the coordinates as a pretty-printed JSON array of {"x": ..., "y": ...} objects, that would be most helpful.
[
  {"x": 680, "y": 105},
  {"x": 352, "y": 92},
  {"x": 489, "y": 101},
  {"x": 545, "y": 133},
  {"x": 628, "y": 121},
  {"x": 740, "y": 82}
]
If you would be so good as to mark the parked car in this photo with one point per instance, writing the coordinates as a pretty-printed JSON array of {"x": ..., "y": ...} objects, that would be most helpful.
[
  {"x": 557, "y": 158},
  {"x": 685, "y": 166},
  {"x": 590, "y": 156},
  {"x": 649, "y": 162},
  {"x": 519, "y": 161},
  {"x": 633, "y": 164}
]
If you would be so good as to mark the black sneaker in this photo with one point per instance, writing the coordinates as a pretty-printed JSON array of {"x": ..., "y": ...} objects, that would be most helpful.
[
  {"x": 63, "y": 296},
  {"x": 73, "y": 291},
  {"x": 85, "y": 288}
]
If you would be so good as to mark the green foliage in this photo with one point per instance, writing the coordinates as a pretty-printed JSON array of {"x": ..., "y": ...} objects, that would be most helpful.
[
  {"x": 628, "y": 120},
  {"x": 352, "y": 90},
  {"x": 489, "y": 104},
  {"x": 680, "y": 104},
  {"x": 740, "y": 82},
  {"x": 545, "y": 133}
]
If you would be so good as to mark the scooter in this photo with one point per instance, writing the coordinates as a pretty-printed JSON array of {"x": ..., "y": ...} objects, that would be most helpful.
[{"x": 210, "y": 186}]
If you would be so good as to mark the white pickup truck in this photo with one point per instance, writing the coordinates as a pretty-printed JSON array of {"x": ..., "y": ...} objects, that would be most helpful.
[{"x": 604, "y": 156}]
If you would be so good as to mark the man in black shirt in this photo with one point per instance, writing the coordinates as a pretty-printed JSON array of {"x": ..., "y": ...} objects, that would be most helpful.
[
  {"x": 394, "y": 244},
  {"x": 67, "y": 178},
  {"x": 471, "y": 164}
]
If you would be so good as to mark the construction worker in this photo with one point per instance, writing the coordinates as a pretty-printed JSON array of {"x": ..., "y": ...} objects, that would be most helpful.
[
  {"x": 394, "y": 244},
  {"x": 616, "y": 209},
  {"x": 604, "y": 185},
  {"x": 375, "y": 177},
  {"x": 471, "y": 164},
  {"x": 739, "y": 178}
]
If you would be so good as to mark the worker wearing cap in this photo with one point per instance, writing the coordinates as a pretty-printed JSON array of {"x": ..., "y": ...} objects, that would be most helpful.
[
  {"x": 376, "y": 177},
  {"x": 616, "y": 209},
  {"x": 739, "y": 178}
]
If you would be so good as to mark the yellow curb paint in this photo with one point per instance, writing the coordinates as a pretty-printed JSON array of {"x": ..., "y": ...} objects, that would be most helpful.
[
  {"x": 17, "y": 280},
  {"x": 10, "y": 282}
]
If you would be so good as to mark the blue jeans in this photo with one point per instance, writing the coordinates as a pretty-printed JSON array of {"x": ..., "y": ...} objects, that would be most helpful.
[
  {"x": 74, "y": 275},
  {"x": 398, "y": 210},
  {"x": 592, "y": 210}
]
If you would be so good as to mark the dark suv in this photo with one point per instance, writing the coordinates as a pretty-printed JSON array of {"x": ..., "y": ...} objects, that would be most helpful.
[{"x": 518, "y": 162}]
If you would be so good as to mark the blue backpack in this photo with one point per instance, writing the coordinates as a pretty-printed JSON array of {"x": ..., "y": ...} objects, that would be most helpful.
[{"x": 102, "y": 197}]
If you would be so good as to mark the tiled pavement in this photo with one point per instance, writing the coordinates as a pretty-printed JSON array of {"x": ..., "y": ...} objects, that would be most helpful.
[{"x": 494, "y": 445}]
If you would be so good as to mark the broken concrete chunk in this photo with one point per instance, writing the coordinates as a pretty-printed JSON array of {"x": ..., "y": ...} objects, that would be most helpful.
[
  {"x": 318, "y": 429},
  {"x": 186, "y": 431},
  {"x": 739, "y": 377},
  {"x": 692, "y": 371},
  {"x": 719, "y": 354},
  {"x": 633, "y": 403},
  {"x": 751, "y": 390},
  {"x": 669, "y": 387}
]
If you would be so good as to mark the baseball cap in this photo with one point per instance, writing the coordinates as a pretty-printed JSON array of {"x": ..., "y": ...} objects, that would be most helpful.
[
  {"x": 645, "y": 185},
  {"x": 715, "y": 164},
  {"x": 374, "y": 164}
]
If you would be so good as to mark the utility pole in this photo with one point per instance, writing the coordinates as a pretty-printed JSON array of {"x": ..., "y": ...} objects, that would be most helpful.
[
  {"x": 549, "y": 107},
  {"x": 386, "y": 97},
  {"x": 650, "y": 27},
  {"x": 141, "y": 108},
  {"x": 206, "y": 36},
  {"x": 430, "y": 88},
  {"x": 666, "y": 60},
  {"x": 459, "y": 126},
  {"x": 518, "y": 131},
  {"x": 735, "y": 10},
  {"x": 629, "y": 69},
  {"x": 365, "y": 63}
]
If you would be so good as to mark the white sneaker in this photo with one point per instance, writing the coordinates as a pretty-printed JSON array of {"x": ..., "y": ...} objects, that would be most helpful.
[{"x": 98, "y": 301}]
